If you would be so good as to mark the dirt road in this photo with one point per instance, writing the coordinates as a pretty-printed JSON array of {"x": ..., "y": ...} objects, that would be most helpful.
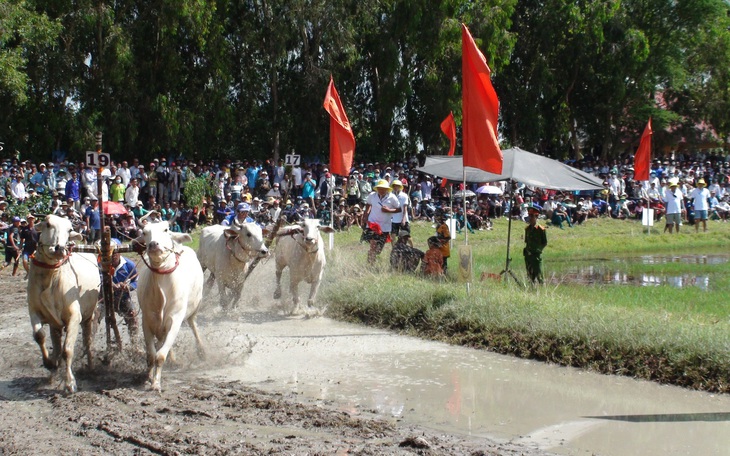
[{"x": 114, "y": 413}]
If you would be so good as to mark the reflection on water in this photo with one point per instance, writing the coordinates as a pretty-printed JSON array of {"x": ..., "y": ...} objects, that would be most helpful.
[
  {"x": 685, "y": 259},
  {"x": 612, "y": 271},
  {"x": 477, "y": 393},
  {"x": 599, "y": 275}
]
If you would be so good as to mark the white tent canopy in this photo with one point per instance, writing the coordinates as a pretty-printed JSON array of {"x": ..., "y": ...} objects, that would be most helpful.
[{"x": 519, "y": 165}]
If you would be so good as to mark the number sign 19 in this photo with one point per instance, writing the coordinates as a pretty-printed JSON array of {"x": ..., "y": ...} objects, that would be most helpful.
[{"x": 97, "y": 159}]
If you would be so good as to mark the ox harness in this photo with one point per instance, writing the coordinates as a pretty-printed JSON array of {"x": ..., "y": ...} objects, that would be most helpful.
[
  {"x": 233, "y": 253},
  {"x": 56, "y": 265},
  {"x": 300, "y": 240},
  {"x": 161, "y": 270}
]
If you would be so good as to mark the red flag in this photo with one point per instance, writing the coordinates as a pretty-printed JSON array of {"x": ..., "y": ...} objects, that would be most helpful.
[
  {"x": 480, "y": 109},
  {"x": 448, "y": 126},
  {"x": 342, "y": 141},
  {"x": 642, "y": 159}
]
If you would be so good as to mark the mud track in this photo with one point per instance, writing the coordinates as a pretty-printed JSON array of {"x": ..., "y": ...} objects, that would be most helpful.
[{"x": 196, "y": 413}]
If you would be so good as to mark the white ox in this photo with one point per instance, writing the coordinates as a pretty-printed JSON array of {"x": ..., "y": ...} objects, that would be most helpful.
[
  {"x": 301, "y": 248},
  {"x": 228, "y": 252},
  {"x": 63, "y": 289},
  {"x": 170, "y": 290}
]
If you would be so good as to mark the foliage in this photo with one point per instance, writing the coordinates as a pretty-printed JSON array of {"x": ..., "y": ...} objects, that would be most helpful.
[
  {"x": 197, "y": 191},
  {"x": 232, "y": 78},
  {"x": 38, "y": 205}
]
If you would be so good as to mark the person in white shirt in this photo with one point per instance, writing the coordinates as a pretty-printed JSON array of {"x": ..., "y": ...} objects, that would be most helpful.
[
  {"x": 715, "y": 187},
  {"x": 381, "y": 204},
  {"x": 296, "y": 174},
  {"x": 617, "y": 187},
  {"x": 426, "y": 188},
  {"x": 652, "y": 179},
  {"x": 279, "y": 172},
  {"x": 700, "y": 198},
  {"x": 400, "y": 219},
  {"x": 131, "y": 195},
  {"x": 17, "y": 190},
  {"x": 652, "y": 193},
  {"x": 125, "y": 173},
  {"x": 674, "y": 202},
  {"x": 88, "y": 180}
]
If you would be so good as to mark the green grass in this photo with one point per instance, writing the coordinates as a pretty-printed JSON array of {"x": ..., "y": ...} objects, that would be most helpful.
[{"x": 662, "y": 333}]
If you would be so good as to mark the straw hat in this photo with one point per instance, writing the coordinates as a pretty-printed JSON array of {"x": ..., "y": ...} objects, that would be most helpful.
[
  {"x": 382, "y": 183},
  {"x": 396, "y": 183},
  {"x": 701, "y": 182}
]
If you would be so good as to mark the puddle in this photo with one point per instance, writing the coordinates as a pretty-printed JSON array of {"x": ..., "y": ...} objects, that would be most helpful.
[
  {"x": 597, "y": 275},
  {"x": 612, "y": 271},
  {"x": 477, "y": 393}
]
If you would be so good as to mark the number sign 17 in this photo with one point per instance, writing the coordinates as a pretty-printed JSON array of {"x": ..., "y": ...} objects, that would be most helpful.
[
  {"x": 293, "y": 160},
  {"x": 97, "y": 159}
]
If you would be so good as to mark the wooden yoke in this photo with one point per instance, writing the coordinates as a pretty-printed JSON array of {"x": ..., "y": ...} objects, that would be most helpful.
[{"x": 107, "y": 271}]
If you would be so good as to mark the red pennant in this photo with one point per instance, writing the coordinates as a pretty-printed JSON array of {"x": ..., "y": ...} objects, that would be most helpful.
[
  {"x": 448, "y": 126},
  {"x": 480, "y": 109},
  {"x": 642, "y": 159},
  {"x": 342, "y": 140}
]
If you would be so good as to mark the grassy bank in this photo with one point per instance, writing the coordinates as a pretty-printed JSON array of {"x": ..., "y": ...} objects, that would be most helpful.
[{"x": 669, "y": 334}]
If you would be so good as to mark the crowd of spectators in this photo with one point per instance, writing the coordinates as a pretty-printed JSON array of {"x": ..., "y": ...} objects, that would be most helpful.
[{"x": 264, "y": 191}]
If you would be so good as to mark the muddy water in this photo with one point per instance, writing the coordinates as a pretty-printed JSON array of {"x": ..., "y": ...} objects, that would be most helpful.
[
  {"x": 605, "y": 271},
  {"x": 459, "y": 390}
]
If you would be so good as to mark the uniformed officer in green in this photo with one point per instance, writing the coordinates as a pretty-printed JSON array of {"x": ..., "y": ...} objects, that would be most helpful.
[{"x": 535, "y": 242}]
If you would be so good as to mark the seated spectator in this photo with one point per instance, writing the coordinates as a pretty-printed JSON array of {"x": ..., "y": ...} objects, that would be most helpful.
[
  {"x": 600, "y": 206},
  {"x": 152, "y": 216},
  {"x": 622, "y": 207},
  {"x": 433, "y": 259},
  {"x": 306, "y": 212},
  {"x": 342, "y": 217},
  {"x": 722, "y": 209},
  {"x": 355, "y": 216},
  {"x": 129, "y": 227},
  {"x": 560, "y": 215},
  {"x": 404, "y": 257},
  {"x": 186, "y": 219},
  {"x": 222, "y": 212},
  {"x": 323, "y": 213},
  {"x": 582, "y": 211}
]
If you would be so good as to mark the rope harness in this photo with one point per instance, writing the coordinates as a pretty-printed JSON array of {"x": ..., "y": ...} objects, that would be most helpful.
[
  {"x": 233, "y": 253},
  {"x": 56, "y": 265},
  {"x": 161, "y": 270},
  {"x": 301, "y": 240}
]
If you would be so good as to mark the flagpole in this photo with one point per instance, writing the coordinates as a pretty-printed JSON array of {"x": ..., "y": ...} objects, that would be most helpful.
[
  {"x": 463, "y": 196},
  {"x": 332, "y": 215},
  {"x": 466, "y": 230}
]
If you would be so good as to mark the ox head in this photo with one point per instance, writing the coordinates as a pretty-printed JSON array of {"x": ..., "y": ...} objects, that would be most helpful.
[
  {"x": 55, "y": 234},
  {"x": 310, "y": 229},
  {"x": 249, "y": 237},
  {"x": 160, "y": 240}
]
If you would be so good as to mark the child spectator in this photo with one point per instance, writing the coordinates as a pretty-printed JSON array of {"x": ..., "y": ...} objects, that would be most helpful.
[
  {"x": 404, "y": 257},
  {"x": 433, "y": 259},
  {"x": 443, "y": 234}
]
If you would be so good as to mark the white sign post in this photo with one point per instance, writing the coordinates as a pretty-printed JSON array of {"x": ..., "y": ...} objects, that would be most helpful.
[{"x": 647, "y": 219}]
